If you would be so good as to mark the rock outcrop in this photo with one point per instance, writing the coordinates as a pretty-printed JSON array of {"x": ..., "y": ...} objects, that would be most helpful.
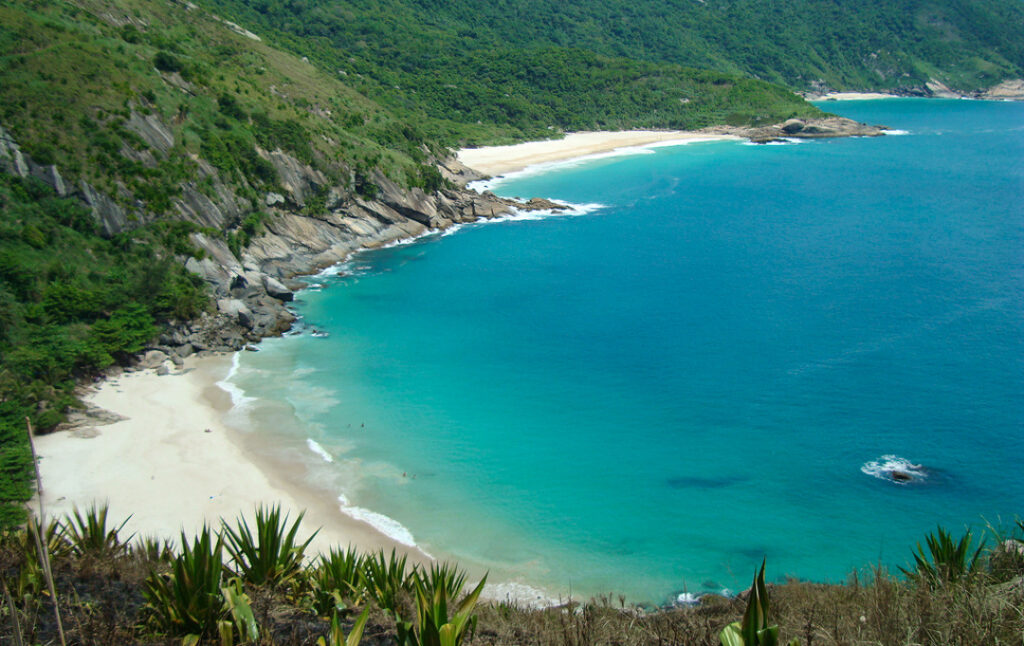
[
  {"x": 250, "y": 291},
  {"x": 802, "y": 129}
]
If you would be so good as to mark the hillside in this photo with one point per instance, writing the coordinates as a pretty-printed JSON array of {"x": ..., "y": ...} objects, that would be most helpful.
[{"x": 805, "y": 45}]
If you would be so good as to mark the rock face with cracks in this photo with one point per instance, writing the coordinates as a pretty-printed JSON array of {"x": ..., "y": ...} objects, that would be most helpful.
[{"x": 250, "y": 290}]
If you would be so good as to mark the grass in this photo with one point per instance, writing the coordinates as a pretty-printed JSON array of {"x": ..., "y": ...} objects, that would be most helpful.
[{"x": 150, "y": 595}]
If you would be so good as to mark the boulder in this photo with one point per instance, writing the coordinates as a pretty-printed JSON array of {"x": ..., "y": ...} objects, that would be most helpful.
[
  {"x": 152, "y": 359},
  {"x": 792, "y": 126},
  {"x": 276, "y": 289},
  {"x": 237, "y": 310}
]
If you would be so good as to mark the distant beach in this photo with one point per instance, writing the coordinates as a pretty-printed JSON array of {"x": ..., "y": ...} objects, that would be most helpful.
[{"x": 498, "y": 160}]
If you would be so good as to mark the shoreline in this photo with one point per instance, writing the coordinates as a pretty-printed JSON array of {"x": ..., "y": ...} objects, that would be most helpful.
[
  {"x": 187, "y": 466},
  {"x": 174, "y": 462},
  {"x": 501, "y": 160}
]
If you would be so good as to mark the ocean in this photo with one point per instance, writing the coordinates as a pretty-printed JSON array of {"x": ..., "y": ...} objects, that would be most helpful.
[{"x": 717, "y": 356}]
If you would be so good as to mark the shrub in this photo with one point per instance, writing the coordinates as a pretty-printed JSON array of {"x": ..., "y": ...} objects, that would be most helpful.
[
  {"x": 88, "y": 535},
  {"x": 271, "y": 557},
  {"x": 946, "y": 561}
]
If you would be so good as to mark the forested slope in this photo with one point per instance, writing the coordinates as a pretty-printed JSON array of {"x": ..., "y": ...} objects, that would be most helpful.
[{"x": 804, "y": 44}]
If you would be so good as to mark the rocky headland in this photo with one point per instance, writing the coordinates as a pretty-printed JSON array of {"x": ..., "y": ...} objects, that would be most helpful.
[{"x": 251, "y": 290}]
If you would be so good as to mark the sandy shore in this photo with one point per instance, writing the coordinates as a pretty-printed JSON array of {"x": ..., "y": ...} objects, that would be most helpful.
[
  {"x": 174, "y": 465},
  {"x": 498, "y": 160},
  {"x": 851, "y": 96}
]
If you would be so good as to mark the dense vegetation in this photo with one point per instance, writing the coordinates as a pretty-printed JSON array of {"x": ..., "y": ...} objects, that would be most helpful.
[
  {"x": 252, "y": 583},
  {"x": 446, "y": 50},
  {"x": 72, "y": 303}
]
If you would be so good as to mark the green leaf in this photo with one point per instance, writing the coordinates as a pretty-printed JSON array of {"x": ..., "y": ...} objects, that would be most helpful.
[{"x": 731, "y": 635}]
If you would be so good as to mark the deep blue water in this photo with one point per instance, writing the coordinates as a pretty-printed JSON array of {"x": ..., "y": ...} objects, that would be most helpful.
[{"x": 653, "y": 395}]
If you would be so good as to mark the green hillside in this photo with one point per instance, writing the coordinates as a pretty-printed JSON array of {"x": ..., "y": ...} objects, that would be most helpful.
[{"x": 804, "y": 44}]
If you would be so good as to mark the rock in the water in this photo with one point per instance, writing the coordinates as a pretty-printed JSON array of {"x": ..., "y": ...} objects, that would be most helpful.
[{"x": 902, "y": 476}]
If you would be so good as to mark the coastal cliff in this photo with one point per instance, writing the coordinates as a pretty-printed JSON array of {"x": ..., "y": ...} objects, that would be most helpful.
[{"x": 252, "y": 285}]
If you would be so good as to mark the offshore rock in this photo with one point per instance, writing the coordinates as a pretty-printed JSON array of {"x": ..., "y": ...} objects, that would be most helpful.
[{"x": 802, "y": 129}]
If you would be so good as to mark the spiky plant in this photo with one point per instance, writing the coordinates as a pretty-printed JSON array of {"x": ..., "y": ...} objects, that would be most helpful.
[
  {"x": 336, "y": 636},
  {"x": 443, "y": 575},
  {"x": 88, "y": 534},
  {"x": 946, "y": 561},
  {"x": 387, "y": 580},
  {"x": 188, "y": 601},
  {"x": 153, "y": 550},
  {"x": 272, "y": 556},
  {"x": 754, "y": 629},
  {"x": 336, "y": 580},
  {"x": 435, "y": 627}
]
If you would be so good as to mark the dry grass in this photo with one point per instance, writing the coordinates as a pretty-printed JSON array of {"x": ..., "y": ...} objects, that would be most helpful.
[{"x": 102, "y": 602}]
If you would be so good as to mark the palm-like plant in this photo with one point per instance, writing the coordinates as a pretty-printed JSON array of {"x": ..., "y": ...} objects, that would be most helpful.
[
  {"x": 386, "y": 580},
  {"x": 433, "y": 602},
  {"x": 273, "y": 556},
  {"x": 946, "y": 561},
  {"x": 336, "y": 636},
  {"x": 87, "y": 533},
  {"x": 754, "y": 629},
  {"x": 189, "y": 601},
  {"x": 337, "y": 578}
]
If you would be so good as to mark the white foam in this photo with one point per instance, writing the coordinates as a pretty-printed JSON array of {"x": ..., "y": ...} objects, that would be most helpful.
[
  {"x": 238, "y": 397},
  {"x": 386, "y": 525},
  {"x": 884, "y": 467},
  {"x": 315, "y": 447},
  {"x": 687, "y": 599},
  {"x": 896, "y": 132}
]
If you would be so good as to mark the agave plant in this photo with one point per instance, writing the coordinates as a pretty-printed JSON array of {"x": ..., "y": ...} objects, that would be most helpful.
[
  {"x": 189, "y": 601},
  {"x": 387, "y": 580},
  {"x": 433, "y": 601},
  {"x": 273, "y": 556},
  {"x": 153, "y": 550},
  {"x": 87, "y": 533},
  {"x": 946, "y": 561},
  {"x": 443, "y": 575},
  {"x": 754, "y": 629},
  {"x": 336, "y": 636},
  {"x": 337, "y": 578}
]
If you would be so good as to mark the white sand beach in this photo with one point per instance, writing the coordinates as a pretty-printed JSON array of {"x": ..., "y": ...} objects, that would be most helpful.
[
  {"x": 498, "y": 160},
  {"x": 851, "y": 96},
  {"x": 173, "y": 464}
]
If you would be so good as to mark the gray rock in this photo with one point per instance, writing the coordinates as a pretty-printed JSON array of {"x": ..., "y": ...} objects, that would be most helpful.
[
  {"x": 152, "y": 130},
  {"x": 152, "y": 359},
  {"x": 276, "y": 289},
  {"x": 163, "y": 370},
  {"x": 237, "y": 310},
  {"x": 792, "y": 126},
  {"x": 274, "y": 198}
]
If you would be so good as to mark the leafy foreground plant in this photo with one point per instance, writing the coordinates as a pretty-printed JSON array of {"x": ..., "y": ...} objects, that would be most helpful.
[
  {"x": 336, "y": 636},
  {"x": 191, "y": 601},
  {"x": 88, "y": 535},
  {"x": 435, "y": 627},
  {"x": 754, "y": 630},
  {"x": 387, "y": 581},
  {"x": 946, "y": 561},
  {"x": 272, "y": 557},
  {"x": 337, "y": 578}
]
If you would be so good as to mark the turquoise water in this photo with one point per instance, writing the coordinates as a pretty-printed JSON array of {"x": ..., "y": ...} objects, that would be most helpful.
[{"x": 651, "y": 395}]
